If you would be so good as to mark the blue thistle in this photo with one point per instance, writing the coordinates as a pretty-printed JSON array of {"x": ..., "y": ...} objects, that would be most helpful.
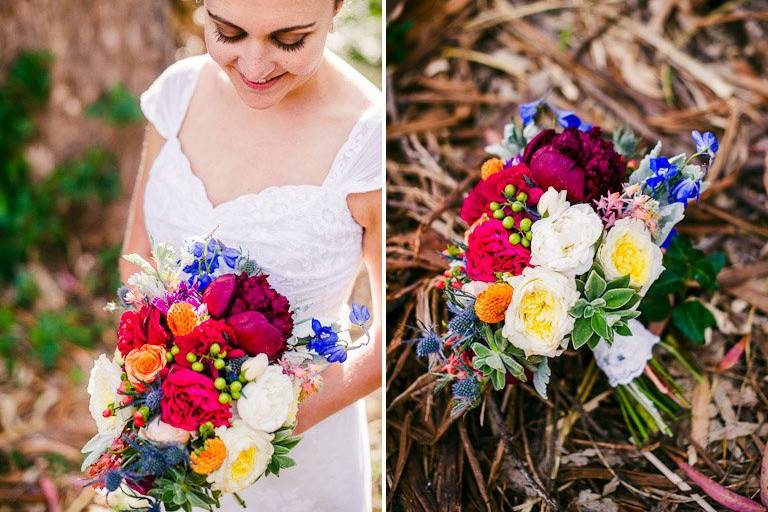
[
  {"x": 153, "y": 399},
  {"x": 174, "y": 455},
  {"x": 234, "y": 367},
  {"x": 429, "y": 343},
  {"x": 152, "y": 465},
  {"x": 467, "y": 389},
  {"x": 464, "y": 322},
  {"x": 113, "y": 480}
]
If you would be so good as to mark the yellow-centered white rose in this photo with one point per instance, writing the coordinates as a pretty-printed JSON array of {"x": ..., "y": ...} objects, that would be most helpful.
[
  {"x": 266, "y": 403},
  {"x": 565, "y": 242},
  {"x": 537, "y": 319},
  {"x": 629, "y": 250},
  {"x": 248, "y": 454}
]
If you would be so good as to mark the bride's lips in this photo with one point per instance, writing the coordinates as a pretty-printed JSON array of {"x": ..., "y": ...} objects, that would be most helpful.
[{"x": 260, "y": 86}]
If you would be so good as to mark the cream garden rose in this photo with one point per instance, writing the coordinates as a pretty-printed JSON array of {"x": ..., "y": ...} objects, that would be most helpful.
[
  {"x": 537, "y": 319},
  {"x": 162, "y": 432},
  {"x": 629, "y": 250},
  {"x": 565, "y": 242},
  {"x": 552, "y": 202},
  {"x": 248, "y": 454},
  {"x": 266, "y": 403},
  {"x": 254, "y": 367}
]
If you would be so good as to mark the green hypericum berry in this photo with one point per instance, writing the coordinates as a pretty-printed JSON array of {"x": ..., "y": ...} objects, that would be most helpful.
[
  {"x": 495, "y": 206},
  {"x": 529, "y": 235},
  {"x": 526, "y": 224},
  {"x": 510, "y": 190},
  {"x": 220, "y": 383},
  {"x": 223, "y": 355},
  {"x": 215, "y": 348},
  {"x": 219, "y": 364},
  {"x": 517, "y": 206},
  {"x": 144, "y": 410},
  {"x": 123, "y": 376},
  {"x": 175, "y": 349},
  {"x": 525, "y": 242},
  {"x": 522, "y": 197},
  {"x": 498, "y": 214},
  {"x": 242, "y": 378},
  {"x": 508, "y": 222},
  {"x": 514, "y": 238},
  {"x": 169, "y": 356},
  {"x": 191, "y": 358},
  {"x": 236, "y": 386},
  {"x": 236, "y": 395},
  {"x": 198, "y": 366},
  {"x": 224, "y": 398}
]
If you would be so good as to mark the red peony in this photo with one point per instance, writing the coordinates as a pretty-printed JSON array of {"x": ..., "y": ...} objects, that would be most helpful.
[
  {"x": 189, "y": 400},
  {"x": 256, "y": 335},
  {"x": 583, "y": 163},
  {"x": 489, "y": 251},
  {"x": 231, "y": 294},
  {"x": 140, "y": 327},
  {"x": 491, "y": 189},
  {"x": 201, "y": 338}
]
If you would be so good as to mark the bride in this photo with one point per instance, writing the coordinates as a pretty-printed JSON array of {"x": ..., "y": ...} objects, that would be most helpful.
[{"x": 275, "y": 143}]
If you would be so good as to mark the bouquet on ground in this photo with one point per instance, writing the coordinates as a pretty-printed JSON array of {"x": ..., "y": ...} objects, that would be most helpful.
[
  {"x": 564, "y": 240},
  {"x": 202, "y": 394}
]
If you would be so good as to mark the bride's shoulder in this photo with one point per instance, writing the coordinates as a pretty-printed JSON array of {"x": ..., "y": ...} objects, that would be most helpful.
[{"x": 357, "y": 91}]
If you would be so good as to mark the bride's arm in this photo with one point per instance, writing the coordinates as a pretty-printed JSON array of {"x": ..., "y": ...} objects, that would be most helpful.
[
  {"x": 360, "y": 375},
  {"x": 136, "y": 239}
]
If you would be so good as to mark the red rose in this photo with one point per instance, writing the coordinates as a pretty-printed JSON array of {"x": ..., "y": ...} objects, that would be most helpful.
[
  {"x": 489, "y": 251},
  {"x": 201, "y": 338},
  {"x": 157, "y": 334},
  {"x": 131, "y": 333},
  {"x": 256, "y": 335},
  {"x": 582, "y": 163},
  {"x": 189, "y": 400},
  {"x": 491, "y": 189}
]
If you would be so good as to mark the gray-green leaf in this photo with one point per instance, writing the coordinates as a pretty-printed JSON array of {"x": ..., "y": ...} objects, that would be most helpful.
[
  {"x": 595, "y": 286},
  {"x": 582, "y": 330},
  {"x": 616, "y": 298}
]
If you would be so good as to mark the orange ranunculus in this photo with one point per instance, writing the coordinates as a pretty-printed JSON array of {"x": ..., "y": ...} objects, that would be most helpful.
[
  {"x": 492, "y": 303},
  {"x": 210, "y": 457},
  {"x": 142, "y": 364}
]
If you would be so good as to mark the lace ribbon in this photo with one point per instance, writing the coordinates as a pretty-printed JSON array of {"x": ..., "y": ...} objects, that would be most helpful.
[{"x": 625, "y": 359}]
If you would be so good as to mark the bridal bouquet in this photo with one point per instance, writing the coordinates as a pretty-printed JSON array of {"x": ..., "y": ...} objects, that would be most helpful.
[
  {"x": 202, "y": 394},
  {"x": 564, "y": 240}
]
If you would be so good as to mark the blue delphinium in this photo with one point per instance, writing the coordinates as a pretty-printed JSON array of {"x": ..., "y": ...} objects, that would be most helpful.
[
  {"x": 663, "y": 172},
  {"x": 686, "y": 190},
  {"x": 528, "y": 111},
  {"x": 230, "y": 256},
  {"x": 706, "y": 143},
  {"x": 359, "y": 315},
  {"x": 325, "y": 342}
]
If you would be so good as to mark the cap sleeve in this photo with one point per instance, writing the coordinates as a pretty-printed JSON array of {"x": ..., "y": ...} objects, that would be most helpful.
[
  {"x": 360, "y": 165},
  {"x": 165, "y": 102}
]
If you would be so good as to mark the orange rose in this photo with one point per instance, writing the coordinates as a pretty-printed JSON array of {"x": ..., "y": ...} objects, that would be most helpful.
[{"x": 142, "y": 364}]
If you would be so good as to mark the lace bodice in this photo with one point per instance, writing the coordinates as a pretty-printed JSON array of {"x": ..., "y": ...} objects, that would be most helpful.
[{"x": 306, "y": 239}]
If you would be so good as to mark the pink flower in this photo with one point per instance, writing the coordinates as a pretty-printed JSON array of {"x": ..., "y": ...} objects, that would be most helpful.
[
  {"x": 190, "y": 399},
  {"x": 582, "y": 163},
  {"x": 490, "y": 251}
]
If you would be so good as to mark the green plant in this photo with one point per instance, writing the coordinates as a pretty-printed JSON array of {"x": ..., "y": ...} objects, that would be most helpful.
[
  {"x": 687, "y": 270},
  {"x": 118, "y": 106},
  {"x": 603, "y": 310}
]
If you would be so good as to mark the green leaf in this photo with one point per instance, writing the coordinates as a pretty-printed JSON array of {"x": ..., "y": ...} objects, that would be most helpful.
[
  {"x": 600, "y": 327},
  {"x": 619, "y": 282},
  {"x": 481, "y": 350},
  {"x": 655, "y": 307},
  {"x": 668, "y": 282},
  {"x": 598, "y": 303},
  {"x": 622, "y": 329},
  {"x": 582, "y": 330},
  {"x": 588, "y": 311},
  {"x": 577, "y": 311},
  {"x": 692, "y": 318},
  {"x": 595, "y": 286},
  {"x": 593, "y": 340},
  {"x": 498, "y": 380},
  {"x": 580, "y": 285},
  {"x": 617, "y": 297}
]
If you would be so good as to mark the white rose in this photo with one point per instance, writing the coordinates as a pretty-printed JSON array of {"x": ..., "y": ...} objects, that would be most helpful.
[
  {"x": 162, "y": 432},
  {"x": 254, "y": 367},
  {"x": 248, "y": 454},
  {"x": 537, "y": 319},
  {"x": 102, "y": 386},
  {"x": 565, "y": 242},
  {"x": 629, "y": 250},
  {"x": 265, "y": 403},
  {"x": 552, "y": 202},
  {"x": 294, "y": 409}
]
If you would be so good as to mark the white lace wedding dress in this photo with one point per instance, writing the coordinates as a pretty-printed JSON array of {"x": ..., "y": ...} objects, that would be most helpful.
[{"x": 305, "y": 238}]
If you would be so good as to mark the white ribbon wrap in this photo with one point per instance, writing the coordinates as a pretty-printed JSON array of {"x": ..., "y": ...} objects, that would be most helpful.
[{"x": 625, "y": 359}]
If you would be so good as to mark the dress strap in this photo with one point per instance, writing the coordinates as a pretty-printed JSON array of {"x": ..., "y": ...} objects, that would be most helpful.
[
  {"x": 165, "y": 102},
  {"x": 358, "y": 164}
]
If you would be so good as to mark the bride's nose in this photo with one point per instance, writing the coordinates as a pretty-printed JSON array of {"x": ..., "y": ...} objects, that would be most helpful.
[{"x": 257, "y": 60}]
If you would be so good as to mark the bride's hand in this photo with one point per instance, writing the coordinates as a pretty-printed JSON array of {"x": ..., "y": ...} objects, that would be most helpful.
[{"x": 360, "y": 375}]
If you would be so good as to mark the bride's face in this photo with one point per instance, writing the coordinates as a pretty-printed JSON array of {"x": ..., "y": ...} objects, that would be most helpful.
[{"x": 268, "y": 48}]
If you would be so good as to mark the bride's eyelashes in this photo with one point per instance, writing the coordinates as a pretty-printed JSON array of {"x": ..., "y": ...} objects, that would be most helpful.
[{"x": 289, "y": 47}]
